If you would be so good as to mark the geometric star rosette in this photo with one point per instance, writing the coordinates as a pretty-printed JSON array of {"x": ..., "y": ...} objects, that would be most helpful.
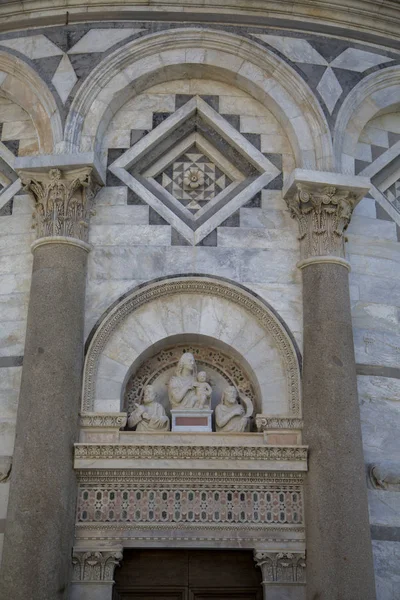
[{"x": 195, "y": 169}]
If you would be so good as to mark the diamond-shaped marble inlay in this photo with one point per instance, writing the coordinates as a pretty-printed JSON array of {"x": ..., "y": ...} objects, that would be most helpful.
[
  {"x": 330, "y": 89},
  {"x": 194, "y": 179},
  {"x": 194, "y": 169}
]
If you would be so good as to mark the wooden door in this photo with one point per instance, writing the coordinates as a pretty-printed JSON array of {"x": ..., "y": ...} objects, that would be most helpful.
[{"x": 188, "y": 575}]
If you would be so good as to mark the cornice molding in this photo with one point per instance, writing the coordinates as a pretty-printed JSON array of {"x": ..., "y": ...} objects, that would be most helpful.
[
  {"x": 361, "y": 17},
  {"x": 149, "y": 452}
]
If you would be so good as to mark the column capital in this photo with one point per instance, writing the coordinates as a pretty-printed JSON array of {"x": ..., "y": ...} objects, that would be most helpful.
[
  {"x": 63, "y": 201},
  {"x": 281, "y": 566},
  {"x": 91, "y": 566},
  {"x": 323, "y": 203}
]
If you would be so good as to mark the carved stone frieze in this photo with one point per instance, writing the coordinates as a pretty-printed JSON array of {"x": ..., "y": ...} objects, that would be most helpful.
[
  {"x": 323, "y": 214},
  {"x": 131, "y": 451},
  {"x": 175, "y": 478},
  {"x": 63, "y": 201},
  {"x": 263, "y": 423},
  {"x": 92, "y": 566},
  {"x": 281, "y": 567},
  {"x": 114, "y": 420}
]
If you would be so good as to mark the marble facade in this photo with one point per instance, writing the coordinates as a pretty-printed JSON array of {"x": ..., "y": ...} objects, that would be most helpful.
[{"x": 124, "y": 113}]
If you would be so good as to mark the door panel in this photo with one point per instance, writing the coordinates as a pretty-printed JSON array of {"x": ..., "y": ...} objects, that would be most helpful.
[
  {"x": 188, "y": 575},
  {"x": 225, "y": 594},
  {"x": 146, "y": 594}
]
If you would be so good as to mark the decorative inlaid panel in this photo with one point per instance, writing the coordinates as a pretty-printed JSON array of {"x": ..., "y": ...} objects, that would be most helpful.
[
  {"x": 194, "y": 179},
  {"x": 168, "y": 504}
]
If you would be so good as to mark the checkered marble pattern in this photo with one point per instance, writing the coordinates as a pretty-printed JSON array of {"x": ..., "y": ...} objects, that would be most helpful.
[
  {"x": 393, "y": 194},
  {"x": 377, "y": 137},
  {"x": 194, "y": 179},
  {"x": 142, "y": 114}
]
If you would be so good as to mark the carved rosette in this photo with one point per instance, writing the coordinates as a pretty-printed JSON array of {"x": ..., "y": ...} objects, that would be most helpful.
[
  {"x": 63, "y": 201},
  {"x": 323, "y": 214},
  {"x": 91, "y": 566},
  {"x": 281, "y": 567}
]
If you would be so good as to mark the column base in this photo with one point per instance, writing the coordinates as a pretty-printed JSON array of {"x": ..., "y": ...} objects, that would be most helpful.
[
  {"x": 313, "y": 260},
  {"x": 91, "y": 590}
]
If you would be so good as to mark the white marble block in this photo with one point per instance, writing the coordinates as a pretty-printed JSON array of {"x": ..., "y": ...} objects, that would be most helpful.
[{"x": 191, "y": 419}]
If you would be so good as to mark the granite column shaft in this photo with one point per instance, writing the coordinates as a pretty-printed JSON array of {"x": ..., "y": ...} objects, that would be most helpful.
[
  {"x": 39, "y": 531},
  {"x": 339, "y": 553}
]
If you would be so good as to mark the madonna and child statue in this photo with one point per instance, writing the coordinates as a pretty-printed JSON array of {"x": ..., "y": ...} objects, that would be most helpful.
[{"x": 189, "y": 395}]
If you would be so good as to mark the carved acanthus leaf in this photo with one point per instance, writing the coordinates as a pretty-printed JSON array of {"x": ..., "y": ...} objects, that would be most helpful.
[
  {"x": 95, "y": 566},
  {"x": 63, "y": 201},
  {"x": 323, "y": 214},
  {"x": 281, "y": 566}
]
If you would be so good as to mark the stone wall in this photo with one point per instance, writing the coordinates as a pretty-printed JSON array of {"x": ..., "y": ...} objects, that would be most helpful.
[{"x": 256, "y": 244}]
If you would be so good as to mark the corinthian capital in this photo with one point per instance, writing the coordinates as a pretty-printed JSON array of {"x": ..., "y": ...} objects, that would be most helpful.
[
  {"x": 63, "y": 201},
  {"x": 92, "y": 566},
  {"x": 323, "y": 210},
  {"x": 281, "y": 566}
]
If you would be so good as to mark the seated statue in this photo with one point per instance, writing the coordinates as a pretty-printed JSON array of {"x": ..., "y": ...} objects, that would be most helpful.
[
  {"x": 182, "y": 387},
  {"x": 230, "y": 414},
  {"x": 149, "y": 416}
]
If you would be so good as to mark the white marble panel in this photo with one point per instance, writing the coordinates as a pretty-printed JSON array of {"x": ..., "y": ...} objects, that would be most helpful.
[
  {"x": 384, "y": 508},
  {"x": 373, "y": 228},
  {"x": 100, "y": 40},
  {"x": 18, "y": 130},
  {"x": 12, "y": 341},
  {"x": 111, "y": 195},
  {"x": 269, "y": 218},
  {"x": 7, "y": 437},
  {"x": 34, "y": 46},
  {"x": 363, "y": 152},
  {"x": 296, "y": 49},
  {"x": 365, "y": 208},
  {"x": 257, "y": 237},
  {"x": 130, "y": 235},
  {"x": 64, "y": 78},
  {"x": 387, "y": 572},
  {"x": 379, "y": 399},
  {"x": 137, "y": 215},
  {"x": 358, "y": 60}
]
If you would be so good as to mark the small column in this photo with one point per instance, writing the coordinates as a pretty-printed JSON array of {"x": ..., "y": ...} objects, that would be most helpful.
[
  {"x": 93, "y": 574},
  {"x": 40, "y": 522},
  {"x": 339, "y": 555},
  {"x": 283, "y": 574}
]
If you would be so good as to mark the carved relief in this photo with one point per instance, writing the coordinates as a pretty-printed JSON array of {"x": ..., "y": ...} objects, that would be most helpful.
[
  {"x": 201, "y": 286},
  {"x": 323, "y": 214},
  {"x": 150, "y": 415},
  {"x": 281, "y": 567},
  {"x": 63, "y": 201},
  {"x": 264, "y": 423},
  {"x": 385, "y": 477},
  {"x": 94, "y": 566},
  {"x": 231, "y": 415},
  {"x": 205, "y": 357}
]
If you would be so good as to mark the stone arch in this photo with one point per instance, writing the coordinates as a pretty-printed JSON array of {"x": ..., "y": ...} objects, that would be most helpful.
[
  {"x": 373, "y": 94},
  {"x": 180, "y": 53},
  {"x": 200, "y": 306},
  {"x": 21, "y": 84}
]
